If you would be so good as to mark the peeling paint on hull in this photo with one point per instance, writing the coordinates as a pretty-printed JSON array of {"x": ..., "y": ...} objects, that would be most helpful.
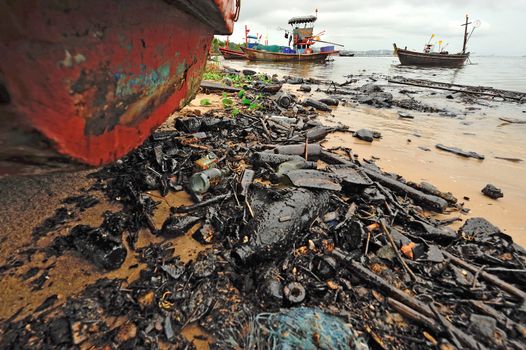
[{"x": 96, "y": 77}]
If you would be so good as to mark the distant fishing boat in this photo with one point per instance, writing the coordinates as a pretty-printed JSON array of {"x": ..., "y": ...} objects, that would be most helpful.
[
  {"x": 345, "y": 53},
  {"x": 303, "y": 39},
  {"x": 436, "y": 59},
  {"x": 92, "y": 79},
  {"x": 232, "y": 54},
  {"x": 228, "y": 54}
]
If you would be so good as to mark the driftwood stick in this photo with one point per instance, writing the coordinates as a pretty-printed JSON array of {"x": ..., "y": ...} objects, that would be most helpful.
[
  {"x": 370, "y": 277},
  {"x": 189, "y": 208},
  {"x": 267, "y": 132},
  {"x": 483, "y": 93},
  {"x": 414, "y": 315},
  {"x": 397, "y": 250},
  {"x": 487, "y": 276},
  {"x": 445, "y": 323}
]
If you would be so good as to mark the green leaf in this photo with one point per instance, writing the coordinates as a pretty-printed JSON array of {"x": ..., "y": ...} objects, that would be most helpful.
[
  {"x": 205, "y": 102},
  {"x": 245, "y": 101},
  {"x": 253, "y": 106},
  {"x": 241, "y": 93},
  {"x": 227, "y": 102},
  {"x": 235, "y": 112}
]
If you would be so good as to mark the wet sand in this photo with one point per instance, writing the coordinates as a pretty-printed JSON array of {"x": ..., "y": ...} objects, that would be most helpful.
[{"x": 464, "y": 177}]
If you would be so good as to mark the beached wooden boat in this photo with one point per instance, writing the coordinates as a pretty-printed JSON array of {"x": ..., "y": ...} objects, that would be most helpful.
[
  {"x": 413, "y": 58},
  {"x": 232, "y": 54},
  {"x": 92, "y": 79},
  {"x": 434, "y": 59},
  {"x": 260, "y": 55}
]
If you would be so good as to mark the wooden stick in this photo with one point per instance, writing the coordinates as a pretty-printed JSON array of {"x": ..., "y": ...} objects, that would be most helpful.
[
  {"x": 189, "y": 208},
  {"x": 456, "y": 90},
  {"x": 267, "y": 132},
  {"x": 397, "y": 251},
  {"x": 414, "y": 315},
  {"x": 511, "y": 289},
  {"x": 370, "y": 277}
]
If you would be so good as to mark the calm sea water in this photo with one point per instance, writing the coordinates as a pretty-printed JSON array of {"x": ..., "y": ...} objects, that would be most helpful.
[{"x": 498, "y": 72}]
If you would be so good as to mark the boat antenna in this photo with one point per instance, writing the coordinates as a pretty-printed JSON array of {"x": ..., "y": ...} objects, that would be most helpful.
[
  {"x": 475, "y": 25},
  {"x": 465, "y": 25}
]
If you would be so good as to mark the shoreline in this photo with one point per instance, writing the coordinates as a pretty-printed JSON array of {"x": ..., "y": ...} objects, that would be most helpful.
[{"x": 477, "y": 129}]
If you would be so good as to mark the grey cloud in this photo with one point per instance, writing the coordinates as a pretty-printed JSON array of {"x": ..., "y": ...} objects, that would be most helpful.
[{"x": 376, "y": 24}]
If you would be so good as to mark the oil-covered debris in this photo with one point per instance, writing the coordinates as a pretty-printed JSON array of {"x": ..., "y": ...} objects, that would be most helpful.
[
  {"x": 458, "y": 151},
  {"x": 303, "y": 246},
  {"x": 492, "y": 192},
  {"x": 102, "y": 245}
]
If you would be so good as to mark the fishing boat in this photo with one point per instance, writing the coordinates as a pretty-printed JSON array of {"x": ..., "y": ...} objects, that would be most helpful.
[
  {"x": 302, "y": 38},
  {"x": 345, "y": 53},
  {"x": 262, "y": 55},
  {"x": 90, "y": 80},
  {"x": 232, "y": 54},
  {"x": 228, "y": 54},
  {"x": 435, "y": 59}
]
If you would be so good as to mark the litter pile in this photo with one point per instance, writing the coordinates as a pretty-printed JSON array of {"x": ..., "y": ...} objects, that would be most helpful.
[{"x": 308, "y": 248}]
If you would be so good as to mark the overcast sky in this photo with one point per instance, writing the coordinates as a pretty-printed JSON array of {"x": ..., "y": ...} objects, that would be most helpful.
[{"x": 377, "y": 24}]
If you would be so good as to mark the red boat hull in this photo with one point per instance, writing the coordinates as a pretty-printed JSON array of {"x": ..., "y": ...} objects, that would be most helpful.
[{"x": 94, "y": 78}]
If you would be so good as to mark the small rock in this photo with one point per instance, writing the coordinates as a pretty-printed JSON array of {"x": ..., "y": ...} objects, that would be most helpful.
[
  {"x": 483, "y": 325},
  {"x": 227, "y": 82},
  {"x": 295, "y": 80},
  {"x": 365, "y": 135},
  {"x": 317, "y": 104},
  {"x": 305, "y": 88},
  {"x": 405, "y": 115},
  {"x": 492, "y": 191},
  {"x": 330, "y": 101},
  {"x": 249, "y": 72},
  {"x": 59, "y": 331}
]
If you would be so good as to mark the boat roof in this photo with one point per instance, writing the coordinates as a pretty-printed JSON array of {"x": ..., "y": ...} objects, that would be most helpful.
[
  {"x": 302, "y": 19},
  {"x": 252, "y": 37}
]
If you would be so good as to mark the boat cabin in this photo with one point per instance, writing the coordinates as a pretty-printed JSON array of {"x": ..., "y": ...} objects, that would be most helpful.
[{"x": 302, "y": 32}]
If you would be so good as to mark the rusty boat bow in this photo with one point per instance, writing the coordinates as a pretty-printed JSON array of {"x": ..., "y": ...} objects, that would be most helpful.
[{"x": 90, "y": 80}]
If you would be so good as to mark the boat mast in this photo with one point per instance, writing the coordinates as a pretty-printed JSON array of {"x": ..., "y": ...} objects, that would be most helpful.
[{"x": 465, "y": 34}]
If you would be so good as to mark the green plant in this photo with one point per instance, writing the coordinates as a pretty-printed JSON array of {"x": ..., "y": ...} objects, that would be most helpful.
[
  {"x": 212, "y": 76},
  {"x": 205, "y": 102},
  {"x": 245, "y": 101},
  {"x": 235, "y": 112},
  {"x": 241, "y": 93},
  {"x": 227, "y": 102}
]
